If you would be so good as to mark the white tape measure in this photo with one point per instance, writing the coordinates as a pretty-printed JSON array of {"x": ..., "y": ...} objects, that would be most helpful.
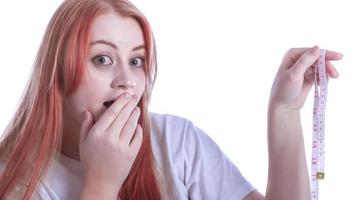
[{"x": 319, "y": 108}]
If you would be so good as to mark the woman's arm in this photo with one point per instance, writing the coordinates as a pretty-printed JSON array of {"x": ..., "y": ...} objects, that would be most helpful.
[{"x": 287, "y": 174}]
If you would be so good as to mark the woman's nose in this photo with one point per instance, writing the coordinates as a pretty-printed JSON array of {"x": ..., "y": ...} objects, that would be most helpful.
[
  {"x": 125, "y": 79},
  {"x": 126, "y": 85}
]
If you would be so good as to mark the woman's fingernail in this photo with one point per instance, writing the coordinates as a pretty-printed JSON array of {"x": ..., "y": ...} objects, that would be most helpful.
[
  {"x": 126, "y": 95},
  {"x": 336, "y": 74},
  {"x": 313, "y": 49}
]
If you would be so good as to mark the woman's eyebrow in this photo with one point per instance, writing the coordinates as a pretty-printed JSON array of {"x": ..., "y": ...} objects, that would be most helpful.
[{"x": 114, "y": 46}]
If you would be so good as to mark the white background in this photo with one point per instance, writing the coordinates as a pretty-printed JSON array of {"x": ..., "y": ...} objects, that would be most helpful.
[{"x": 217, "y": 61}]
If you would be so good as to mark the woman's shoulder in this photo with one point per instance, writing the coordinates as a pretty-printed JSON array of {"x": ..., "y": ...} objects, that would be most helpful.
[
  {"x": 170, "y": 130},
  {"x": 170, "y": 125},
  {"x": 176, "y": 131},
  {"x": 168, "y": 119},
  {"x": 197, "y": 159}
]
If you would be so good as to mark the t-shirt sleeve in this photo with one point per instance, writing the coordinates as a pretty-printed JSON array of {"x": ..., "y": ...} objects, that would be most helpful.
[{"x": 209, "y": 173}]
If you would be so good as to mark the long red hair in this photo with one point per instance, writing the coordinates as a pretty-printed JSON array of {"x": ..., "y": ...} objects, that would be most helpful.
[{"x": 33, "y": 136}]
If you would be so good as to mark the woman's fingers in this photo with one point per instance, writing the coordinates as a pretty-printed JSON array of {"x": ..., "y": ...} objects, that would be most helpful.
[
  {"x": 87, "y": 123},
  {"x": 291, "y": 57},
  {"x": 118, "y": 123},
  {"x": 111, "y": 113},
  {"x": 309, "y": 76},
  {"x": 307, "y": 59},
  {"x": 331, "y": 55},
  {"x": 294, "y": 54},
  {"x": 129, "y": 128},
  {"x": 331, "y": 70},
  {"x": 310, "y": 56},
  {"x": 136, "y": 141},
  {"x": 296, "y": 76}
]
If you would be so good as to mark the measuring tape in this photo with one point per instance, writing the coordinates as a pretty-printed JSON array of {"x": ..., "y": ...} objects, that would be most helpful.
[{"x": 319, "y": 108}]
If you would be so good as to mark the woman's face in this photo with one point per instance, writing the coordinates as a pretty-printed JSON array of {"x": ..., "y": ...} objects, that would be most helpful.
[{"x": 115, "y": 64}]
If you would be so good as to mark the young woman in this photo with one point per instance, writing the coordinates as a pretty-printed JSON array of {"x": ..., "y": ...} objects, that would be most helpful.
[{"x": 83, "y": 129}]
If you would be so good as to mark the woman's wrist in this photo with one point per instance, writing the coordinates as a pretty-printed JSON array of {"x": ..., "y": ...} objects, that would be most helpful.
[
  {"x": 275, "y": 110},
  {"x": 94, "y": 189}
]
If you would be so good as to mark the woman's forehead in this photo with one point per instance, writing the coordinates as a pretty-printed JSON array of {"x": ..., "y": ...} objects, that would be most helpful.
[{"x": 123, "y": 32}]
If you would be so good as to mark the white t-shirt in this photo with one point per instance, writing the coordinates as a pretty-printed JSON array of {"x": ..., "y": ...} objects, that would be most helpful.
[{"x": 190, "y": 162}]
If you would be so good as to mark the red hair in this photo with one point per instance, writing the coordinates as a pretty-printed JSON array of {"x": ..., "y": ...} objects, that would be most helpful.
[{"x": 34, "y": 135}]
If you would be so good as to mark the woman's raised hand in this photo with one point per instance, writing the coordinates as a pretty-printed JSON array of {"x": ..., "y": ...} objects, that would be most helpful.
[
  {"x": 109, "y": 146},
  {"x": 295, "y": 77}
]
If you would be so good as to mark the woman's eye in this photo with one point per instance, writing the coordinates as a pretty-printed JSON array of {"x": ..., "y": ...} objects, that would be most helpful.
[
  {"x": 138, "y": 61},
  {"x": 103, "y": 60}
]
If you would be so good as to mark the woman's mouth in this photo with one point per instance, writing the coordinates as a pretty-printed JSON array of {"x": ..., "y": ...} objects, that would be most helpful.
[{"x": 108, "y": 103}]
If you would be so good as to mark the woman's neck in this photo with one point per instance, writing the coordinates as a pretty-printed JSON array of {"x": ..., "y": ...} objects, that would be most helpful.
[{"x": 70, "y": 139}]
